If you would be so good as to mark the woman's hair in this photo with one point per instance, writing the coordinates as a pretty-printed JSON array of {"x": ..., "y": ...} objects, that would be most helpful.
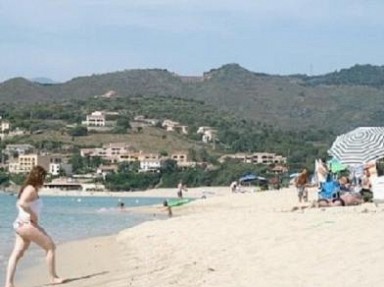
[{"x": 35, "y": 178}]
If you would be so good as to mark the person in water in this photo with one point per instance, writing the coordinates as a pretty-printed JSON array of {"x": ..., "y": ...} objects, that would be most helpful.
[{"x": 28, "y": 229}]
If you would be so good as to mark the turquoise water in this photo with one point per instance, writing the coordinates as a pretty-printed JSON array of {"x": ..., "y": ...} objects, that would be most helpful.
[{"x": 71, "y": 218}]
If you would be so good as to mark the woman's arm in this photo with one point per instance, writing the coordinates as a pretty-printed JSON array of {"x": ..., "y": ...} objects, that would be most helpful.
[{"x": 29, "y": 194}]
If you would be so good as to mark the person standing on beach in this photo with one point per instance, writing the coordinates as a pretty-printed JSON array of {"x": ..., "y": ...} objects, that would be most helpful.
[
  {"x": 301, "y": 184},
  {"x": 321, "y": 172},
  {"x": 27, "y": 227},
  {"x": 180, "y": 189}
]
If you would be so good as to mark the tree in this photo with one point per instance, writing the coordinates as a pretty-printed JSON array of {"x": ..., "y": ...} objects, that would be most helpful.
[
  {"x": 77, "y": 162},
  {"x": 163, "y": 153},
  {"x": 123, "y": 122},
  {"x": 78, "y": 131},
  {"x": 169, "y": 166}
]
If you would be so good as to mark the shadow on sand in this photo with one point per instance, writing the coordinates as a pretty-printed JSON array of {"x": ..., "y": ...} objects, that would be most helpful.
[{"x": 68, "y": 280}]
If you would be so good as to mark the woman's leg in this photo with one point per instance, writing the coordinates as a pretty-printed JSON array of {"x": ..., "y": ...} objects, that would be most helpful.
[
  {"x": 38, "y": 235},
  {"x": 20, "y": 246},
  {"x": 305, "y": 195},
  {"x": 300, "y": 194}
]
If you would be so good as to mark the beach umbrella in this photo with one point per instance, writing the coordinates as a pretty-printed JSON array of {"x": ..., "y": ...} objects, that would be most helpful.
[
  {"x": 359, "y": 146},
  {"x": 248, "y": 177}
]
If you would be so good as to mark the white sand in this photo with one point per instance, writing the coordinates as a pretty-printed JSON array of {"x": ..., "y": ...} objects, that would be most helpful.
[{"x": 250, "y": 239}]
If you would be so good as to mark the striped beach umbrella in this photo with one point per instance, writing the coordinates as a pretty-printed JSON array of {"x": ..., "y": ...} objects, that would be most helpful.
[{"x": 359, "y": 146}]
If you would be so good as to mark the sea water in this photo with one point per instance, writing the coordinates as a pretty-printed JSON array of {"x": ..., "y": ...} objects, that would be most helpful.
[{"x": 69, "y": 218}]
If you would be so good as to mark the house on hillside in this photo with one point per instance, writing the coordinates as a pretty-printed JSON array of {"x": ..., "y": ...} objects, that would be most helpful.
[
  {"x": 101, "y": 120},
  {"x": 5, "y": 126},
  {"x": 256, "y": 158},
  {"x": 172, "y": 126},
  {"x": 104, "y": 170},
  {"x": 142, "y": 122},
  {"x": 59, "y": 163},
  {"x": 95, "y": 119},
  {"x": 208, "y": 134},
  {"x": 6, "y": 132},
  {"x": 181, "y": 159}
]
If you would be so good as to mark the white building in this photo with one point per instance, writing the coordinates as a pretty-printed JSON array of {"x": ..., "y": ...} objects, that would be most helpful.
[
  {"x": 171, "y": 126},
  {"x": 5, "y": 126},
  {"x": 208, "y": 134},
  {"x": 256, "y": 158},
  {"x": 95, "y": 119},
  {"x": 150, "y": 165},
  {"x": 54, "y": 168}
]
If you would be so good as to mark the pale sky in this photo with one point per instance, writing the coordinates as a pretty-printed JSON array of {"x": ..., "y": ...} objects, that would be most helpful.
[{"x": 63, "y": 39}]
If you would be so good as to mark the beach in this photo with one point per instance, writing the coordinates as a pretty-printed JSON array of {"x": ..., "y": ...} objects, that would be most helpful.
[{"x": 224, "y": 239}]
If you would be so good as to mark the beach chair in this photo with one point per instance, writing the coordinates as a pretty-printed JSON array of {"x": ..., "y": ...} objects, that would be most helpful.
[{"x": 330, "y": 189}]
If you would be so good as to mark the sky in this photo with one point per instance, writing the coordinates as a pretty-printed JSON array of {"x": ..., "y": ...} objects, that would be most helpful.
[{"x": 63, "y": 39}]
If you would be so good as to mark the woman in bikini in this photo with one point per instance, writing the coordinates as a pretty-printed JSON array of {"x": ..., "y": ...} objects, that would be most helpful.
[{"x": 27, "y": 227}]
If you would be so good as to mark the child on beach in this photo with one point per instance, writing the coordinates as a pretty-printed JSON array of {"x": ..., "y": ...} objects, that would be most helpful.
[
  {"x": 168, "y": 208},
  {"x": 234, "y": 186},
  {"x": 27, "y": 227}
]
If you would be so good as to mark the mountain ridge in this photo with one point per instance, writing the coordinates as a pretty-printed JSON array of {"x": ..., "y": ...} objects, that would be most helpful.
[{"x": 339, "y": 100}]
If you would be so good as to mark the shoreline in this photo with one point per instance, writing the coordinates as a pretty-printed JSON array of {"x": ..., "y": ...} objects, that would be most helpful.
[
  {"x": 193, "y": 192},
  {"x": 250, "y": 239}
]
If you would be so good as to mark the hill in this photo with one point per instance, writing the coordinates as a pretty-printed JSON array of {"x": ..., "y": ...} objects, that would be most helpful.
[{"x": 338, "y": 101}]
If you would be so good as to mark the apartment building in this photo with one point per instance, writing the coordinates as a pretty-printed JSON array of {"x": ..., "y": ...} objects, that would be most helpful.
[
  {"x": 147, "y": 165},
  {"x": 113, "y": 152},
  {"x": 256, "y": 158},
  {"x": 25, "y": 162}
]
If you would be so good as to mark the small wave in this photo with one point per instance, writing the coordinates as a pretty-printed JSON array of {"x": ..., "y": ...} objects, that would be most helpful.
[{"x": 110, "y": 210}]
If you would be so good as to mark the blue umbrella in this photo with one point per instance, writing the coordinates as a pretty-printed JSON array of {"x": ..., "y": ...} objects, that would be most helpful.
[{"x": 248, "y": 177}]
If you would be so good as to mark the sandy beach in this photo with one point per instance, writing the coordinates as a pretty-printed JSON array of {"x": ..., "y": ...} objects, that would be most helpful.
[{"x": 247, "y": 239}]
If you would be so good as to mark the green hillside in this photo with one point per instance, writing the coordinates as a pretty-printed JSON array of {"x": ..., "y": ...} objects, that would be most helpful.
[{"x": 338, "y": 101}]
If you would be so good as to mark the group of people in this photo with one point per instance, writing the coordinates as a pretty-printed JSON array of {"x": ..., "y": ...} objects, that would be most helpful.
[
  {"x": 29, "y": 205},
  {"x": 351, "y": 191}
]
